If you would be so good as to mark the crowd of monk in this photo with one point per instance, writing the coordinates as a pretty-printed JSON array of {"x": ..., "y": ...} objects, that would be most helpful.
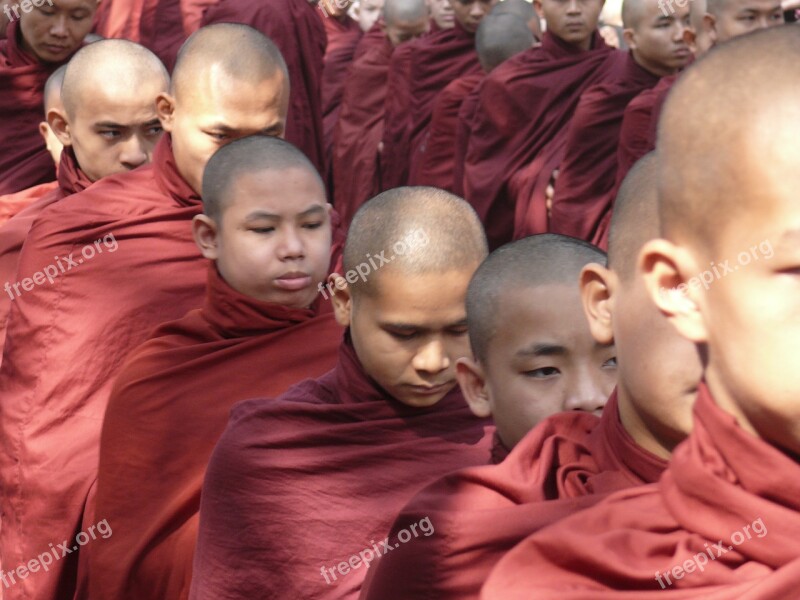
[{"x": 416, "y": 299}]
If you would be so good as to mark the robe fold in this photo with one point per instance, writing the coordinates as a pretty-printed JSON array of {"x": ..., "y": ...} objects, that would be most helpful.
[
  {"x": 12, "y": 204},
  {"x": 71, "y": 180},
  {"x": 589, "y": 167},
  {"x": 723, "y": 486},
  {"x": 439, "y": 59},
  {"x": 568, "y": 462},
  {"x": 308, "y": 480},
  {"x": 520, "y": 126},
  {"x": 397, "y": 118},
  {"x": 300, "y": 36},
  {"x": 360, "y": 127},
  {"x": 124, "y": 261},
  {"x": 24, "y": 159},
  {"x": 168, "y": 407},
  {"x": 436, "y": 164},
  {"x": 464, "y": 126}
]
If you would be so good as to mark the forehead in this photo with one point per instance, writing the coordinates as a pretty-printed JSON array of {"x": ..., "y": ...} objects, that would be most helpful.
[
  {"x": 739, "y": 6},
  {"x": 75, "y": 4},
  {"x": 217, "y": 96},
  {"x": 428, "y": 299},
  {"x": 118, "y": 97},
  {"x": 279, "y": 192}
]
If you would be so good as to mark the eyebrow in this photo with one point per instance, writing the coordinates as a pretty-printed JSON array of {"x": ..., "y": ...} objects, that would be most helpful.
[
  {"x": 262, "y": 214},
  {"x": 113, "y": 125},
  {"x": 412, "y": 328},
  {"x": 543, "y": 350}
]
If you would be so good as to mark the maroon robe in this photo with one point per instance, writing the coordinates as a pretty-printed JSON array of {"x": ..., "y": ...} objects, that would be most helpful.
[
  {"x": 168, "y": 408},
  {"x": 310, "y": 479},
  {"x": 728, "y": 506},
  {"x": 397, "y": 119},
  {"x": 464, "y": 126},
  {"x": 589, "y": 167},
  {"x": 13, "y": 204},
  {"x": 568, "y": 462},
  {"x": 300, "y": 35},
  {"x": 525, "y": 107}
]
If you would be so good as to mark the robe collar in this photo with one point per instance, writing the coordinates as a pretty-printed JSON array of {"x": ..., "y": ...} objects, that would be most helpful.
[{"x": 168, "y": 179}]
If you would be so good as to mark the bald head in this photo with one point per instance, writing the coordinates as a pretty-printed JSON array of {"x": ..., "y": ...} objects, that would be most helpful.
[
  {"x": 52, "y": 89},
  {"x": 426, "y": 229},
  {"x": 245, "y": 156},
  {"x": 396, "y": 12},
  {"x": 115, "y": 68},
  {"x": 500, "y": 37},
  {"x": 727, "y": 19},
  {"x": 707, "y": 180},
  {"x": 539, "y": 260},
  {"x": 522, "y": 9},
  {"x": 633, "y": 11}
]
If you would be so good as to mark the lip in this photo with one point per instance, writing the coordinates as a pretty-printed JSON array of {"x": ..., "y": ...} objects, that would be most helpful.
[
  {"x": 682, "y": 53},
  {"x": 424, "y": 390},
  {"x": 55, "y": 49},
  {"x": 574, "y": 26},
  {"x": 293, "y": 281}
]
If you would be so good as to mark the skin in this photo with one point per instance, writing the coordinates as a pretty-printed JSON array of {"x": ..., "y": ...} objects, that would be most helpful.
[
  {"x": 401, "y": 31},
  {"x": 742, "y": 16},
  {"x": 658, "y": 41},
  {"x": 442, "y": 13},
  {"x": 217, "y": 109},
  {"x": 574, "y": 21},
  {"x": 368, "y": 12},
  {"x": 272, "y": 239},
  {"x": 469, "y": 13},
  {"x": 51, "y": 140},
  {"x": 519, "y": 385},
  {"x": 53, "y": 33},
  {"x": 336, "y": 8},
  {"x": 697, "y": 37},
  {"x": 410, "y": 331}
]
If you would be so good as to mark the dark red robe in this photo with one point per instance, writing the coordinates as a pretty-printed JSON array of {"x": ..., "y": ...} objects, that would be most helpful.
[
  {"x": 397, "y": 119},
  {"x": 525, "y": 107},
  {"x": 360, "y": 127},
  {"x": 436, "y": 164},
  {"x": 168, "y": 408},
  {"x": 24, "y": 159},
  {"x": 719, "y": 484},
  {"x": 568, "y": 462},
  {"x": 589, "y": 166},
  {"x": 464, "y": 126},
  {"x": 312, "y": 478},
  {"x": 300, "y": 35},
  {"x": 67, "y": 340},
  {"x": 13, "y": 204}
]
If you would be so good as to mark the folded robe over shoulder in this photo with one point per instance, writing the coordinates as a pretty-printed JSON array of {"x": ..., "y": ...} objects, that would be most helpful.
[
  {"x": 24, "y": 160},
  {"x": 729, "y": 502},
  {"x": 168, "y": 407},
  {"x": 310, "y": 479},
  {"x": 567, "y": 463},
  {"x": 300, "y": 36},
  {"x": 124, "y": 261},
  {"x": 525, "y": 106}
]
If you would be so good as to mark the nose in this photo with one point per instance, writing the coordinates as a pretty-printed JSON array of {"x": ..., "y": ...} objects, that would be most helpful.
[
  {"x": 477, "y": 10},
  {"x": 573, "y": 8},
  {"x": 431, "y": 357},
  {"x": 59, "y": 26},
  {"x": 291, "y": 246},
  {"x": 587, "y": 393},
  {"x": 135, "y": 152},
  {"x": 679, "y": 34}
]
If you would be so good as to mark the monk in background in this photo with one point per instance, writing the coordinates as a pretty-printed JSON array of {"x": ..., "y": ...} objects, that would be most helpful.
[
  {"x": 122, "y": 260},
  {"x": 442, "y": 14},
  {"x": 306, "y": 481},
  {"x": 36, "y": 45},
  {"x": 368, "y": 12}
]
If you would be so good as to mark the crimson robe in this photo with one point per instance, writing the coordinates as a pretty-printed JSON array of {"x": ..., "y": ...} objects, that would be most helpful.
[
  {"x": 300, "y": 35},
  {"x": 588, "y": 169},
  {"x": 437, "y": 163},
  {"x": 71, "y": 180},
  {"x": 24, "y": 160},
  {"x": 568, "y": 462},
  {"x": 719, "y": 481},
  {"x": 67, "y": 340},
  {"x": 308, "y": 480},
  {"x": 464, "y": 126},
  {"x": 397, "y": 118},
  {"x": 12, "y": 204},
  {"x": 439, "y": 59},
  {"x": 168, "y": 407},
  {"x": 360, "y": 127},
  {"x": 525, "y": 106}
]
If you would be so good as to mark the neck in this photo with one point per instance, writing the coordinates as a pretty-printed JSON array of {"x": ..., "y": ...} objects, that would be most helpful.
[
  {"x": 636, "y": 427},
  {"x": 655, "y": 69}
]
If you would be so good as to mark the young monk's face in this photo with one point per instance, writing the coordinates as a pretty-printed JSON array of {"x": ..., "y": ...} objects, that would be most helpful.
[
  {"x": 217, "y": 109},
  {"x": 743, "y": 16},
  {"x": 272, "y": 241},
  {"x": 409, "y": 331},
  {"x": 574, "y": 21},
  {"x": 368, "y": 13},
  {"x": 405, "y": 31},
  {"x": 658, "y": 40},
  {"x": 543, "y": 360},
  {"x": 52, "y": 33},
  {"x": 442, "y": 13},
  {"x": 470, "y": 13}
]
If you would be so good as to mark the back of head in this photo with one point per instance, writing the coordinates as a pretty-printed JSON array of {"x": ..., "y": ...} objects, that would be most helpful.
[
  {"x": 538, "y": 260},
  {"x": 500, "y": 37},
  {"x": 52, "y": 89},
  {"x": 522, "y": 9}
]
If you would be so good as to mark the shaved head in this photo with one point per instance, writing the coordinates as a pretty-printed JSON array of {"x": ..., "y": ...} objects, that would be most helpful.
[
  {"x": 633, "y": 11},
  {"x": 522, "y": 9},
  {"x": 249, "y": 155},
  {"x": 404, "y": 11},
  {"x": 634, "y": 220},
  {"x": 706, "y": 181},
  {"x": 52, "y": 89},
  {"x": 117, "y": 67},
  {"x": 534, "y": 261},
  {"x": 500, "y": 37},
  {"x": 440, "y": 233}
]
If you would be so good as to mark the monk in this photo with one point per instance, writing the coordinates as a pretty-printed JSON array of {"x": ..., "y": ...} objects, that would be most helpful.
[
  {"x": 498, "y": 38},
  {"x": 122, "y": 260},
  {"x": 721, "y": 522},
  {"x": 262, "y": 329},
  {"x": 37, "y": 43},
  {"x": 314, "y": 477},
  {"x": 107, "y": 124},
  {"x": 588, "y": 169},
  {"x": 12, "y": 204},
  {"x": 572, "y": 460},
  {"x": 442, "y": 14},
  {"x": 368, "y": 12},
  {"x": 295, "y": 28},
  {"x": 358, "y": 133}
]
